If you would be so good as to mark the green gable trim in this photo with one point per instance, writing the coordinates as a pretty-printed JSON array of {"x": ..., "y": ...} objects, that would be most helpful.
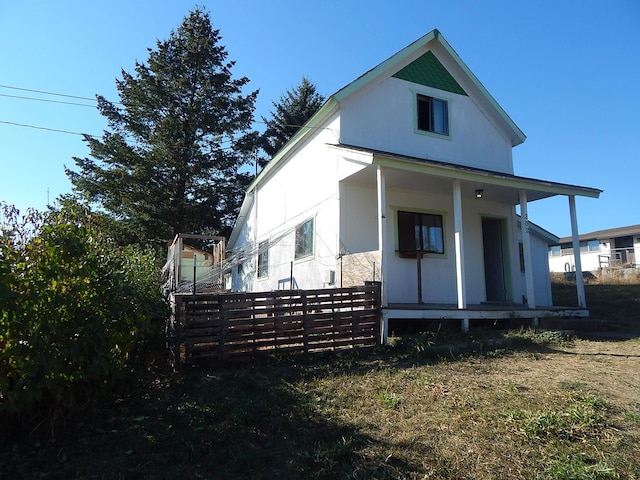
[{"x": 428, "y": 71}]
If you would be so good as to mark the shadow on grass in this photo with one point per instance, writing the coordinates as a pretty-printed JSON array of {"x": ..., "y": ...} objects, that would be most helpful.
[
  {"x": 236, "y": 421},
  {"x": 257, "y": 419}
]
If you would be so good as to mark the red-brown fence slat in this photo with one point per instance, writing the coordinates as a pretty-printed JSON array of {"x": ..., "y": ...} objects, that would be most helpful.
[{"x": 232, "y": 324}]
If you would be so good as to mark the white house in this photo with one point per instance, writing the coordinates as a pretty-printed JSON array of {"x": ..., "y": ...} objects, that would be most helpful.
[
  {"x": 404, "y": 176},
  {"x": 602, "y": 249}
]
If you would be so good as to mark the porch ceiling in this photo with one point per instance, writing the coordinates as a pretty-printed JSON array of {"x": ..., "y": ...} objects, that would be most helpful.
[
  {"x": 410, "y": 173},
  {"x": 420, "y": 182}
]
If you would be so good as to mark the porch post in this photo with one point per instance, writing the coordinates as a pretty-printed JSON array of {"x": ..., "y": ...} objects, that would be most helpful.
[
  {"x": 382, "y": 242},
  {"x": 582, "y": 302},
  {"x": 526, "y": 248},
  {"x": 459, "y": 248}
]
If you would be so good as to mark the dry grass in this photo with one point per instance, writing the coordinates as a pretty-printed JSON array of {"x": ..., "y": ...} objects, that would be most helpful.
[
  {"x": 536, "y": 406},
  {"x": 617, "y": 304},
  {"x": 613, "y": 276}
]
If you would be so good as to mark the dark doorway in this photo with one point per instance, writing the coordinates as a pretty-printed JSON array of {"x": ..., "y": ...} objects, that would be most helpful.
[
  {"x": 492, "y": 240},
  {"x": 624, "y": 250}
]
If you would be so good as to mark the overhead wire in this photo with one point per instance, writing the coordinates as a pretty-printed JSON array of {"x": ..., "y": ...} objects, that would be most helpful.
[
  {"x": 44, "y": 128},
  {"x": 19, "y": 97},
  {"x": 79, "y": 97},
  {"x": 47, "y": 93}
]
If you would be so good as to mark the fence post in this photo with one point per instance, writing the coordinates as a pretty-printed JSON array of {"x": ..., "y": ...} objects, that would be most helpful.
[
  {"x": 194, "y": 273},
  {"x": 291, "y": 277},
  {"x": 223, "y": 326},
  {"x": 305, "y": 326},
  {"x": 179, "y": 316}
]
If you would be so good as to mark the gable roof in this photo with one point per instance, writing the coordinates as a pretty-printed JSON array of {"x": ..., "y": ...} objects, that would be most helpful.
[
  {"x": 471, "y": 86},
  {"x": 403, "y": 65}
]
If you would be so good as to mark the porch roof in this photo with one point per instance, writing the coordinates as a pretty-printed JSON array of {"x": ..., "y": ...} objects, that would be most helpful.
[{"x": 428, "y": 174}]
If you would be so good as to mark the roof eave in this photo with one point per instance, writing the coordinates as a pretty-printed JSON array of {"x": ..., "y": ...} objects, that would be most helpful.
[
  {"x": 240, "y": 220},
  {"x": 518, "y": 137},
  {"x": 370, "y": 75},
  {"x": 496, "y": 178}
]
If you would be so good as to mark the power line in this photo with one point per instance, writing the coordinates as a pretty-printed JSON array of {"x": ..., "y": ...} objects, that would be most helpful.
[
  {"x": 94, "y": 100},
  {"x": 44, "y": 92},
  {"x": 69, "y": 132},
  {"x": 46, "y": 100},
  {"x": 48, "y": 93},
  {"x": 45, "y": 128}
]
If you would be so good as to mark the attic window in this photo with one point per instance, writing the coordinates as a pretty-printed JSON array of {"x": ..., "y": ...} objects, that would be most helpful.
[{"x": 433, "y": 115}]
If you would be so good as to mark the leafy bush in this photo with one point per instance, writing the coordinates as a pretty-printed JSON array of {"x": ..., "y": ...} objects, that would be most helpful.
[{"x": 73, "y": 308}]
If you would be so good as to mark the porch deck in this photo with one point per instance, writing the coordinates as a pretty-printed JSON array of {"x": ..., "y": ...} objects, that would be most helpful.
[
  {"x": 480, "y": 310},
  {"x": 483, "y": 311}
]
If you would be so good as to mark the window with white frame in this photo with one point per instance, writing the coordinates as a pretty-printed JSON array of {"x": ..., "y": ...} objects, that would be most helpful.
[
  {"x": 304, "y": 239},
  {"x": 433, "y": 115}
]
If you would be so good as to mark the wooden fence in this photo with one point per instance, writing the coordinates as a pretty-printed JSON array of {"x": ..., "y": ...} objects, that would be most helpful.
[{"x": 220, "y": 326}]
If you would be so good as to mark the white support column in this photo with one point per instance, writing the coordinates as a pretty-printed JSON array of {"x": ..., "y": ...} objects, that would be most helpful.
[
  {"x": 526, "y": 248},
  {"x": 459, "y": 250},
  {"x": 382, "y": 246},
  {"x": 582, "y": 302}
]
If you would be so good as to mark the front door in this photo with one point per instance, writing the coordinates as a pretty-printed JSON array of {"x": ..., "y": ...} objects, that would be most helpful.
[{"x": 492, "y": 239}]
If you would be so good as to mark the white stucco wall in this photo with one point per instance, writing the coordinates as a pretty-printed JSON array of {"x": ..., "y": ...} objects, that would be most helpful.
[
  {"x": 382, "y": 116},
  {"x": 303, "y": 187},
  {"x": 438, "y": 271},
  {"x": 358, "y": 219},
  {"x": 589, "y": 261},
  {"x": 541, "y": 275}
]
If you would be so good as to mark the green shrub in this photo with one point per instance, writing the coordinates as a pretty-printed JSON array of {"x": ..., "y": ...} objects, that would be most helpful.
[{"x": 73, "y": 308}]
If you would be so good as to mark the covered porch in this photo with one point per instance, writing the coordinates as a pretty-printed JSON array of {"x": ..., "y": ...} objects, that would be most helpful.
[{"x": 463, "y": 186}]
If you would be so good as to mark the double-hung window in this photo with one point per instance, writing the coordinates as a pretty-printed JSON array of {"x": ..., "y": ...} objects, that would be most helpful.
[
  {"x": 419, "y": 233},
  {"x": 433, "y": 115},
  {"x": 304, "y": 239}
]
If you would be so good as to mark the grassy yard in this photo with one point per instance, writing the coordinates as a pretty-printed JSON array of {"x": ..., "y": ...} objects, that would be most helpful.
[{"x": 521, "y": 405}]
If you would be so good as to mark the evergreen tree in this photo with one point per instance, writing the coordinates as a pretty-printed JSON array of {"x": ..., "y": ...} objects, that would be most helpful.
[
  {"x": 181, "y": 131},
  {"x": 292, "y": 111}
]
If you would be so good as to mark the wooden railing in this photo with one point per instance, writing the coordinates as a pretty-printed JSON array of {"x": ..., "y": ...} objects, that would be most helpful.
[{"x": 220, "y": 326}]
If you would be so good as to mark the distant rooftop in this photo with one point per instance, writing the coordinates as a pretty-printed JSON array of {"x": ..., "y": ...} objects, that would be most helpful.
[{"x": 608, "y": 233}]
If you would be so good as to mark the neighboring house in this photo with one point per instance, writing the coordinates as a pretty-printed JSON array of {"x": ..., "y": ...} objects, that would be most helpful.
[
  {"x": 190, "y": 269},
  {"x": 603, "y": 249},
  {"x": 404, "y": 176}
]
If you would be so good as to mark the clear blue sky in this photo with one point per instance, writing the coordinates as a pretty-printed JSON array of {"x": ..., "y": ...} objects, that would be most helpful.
[{"x": 567, "y": 72}]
